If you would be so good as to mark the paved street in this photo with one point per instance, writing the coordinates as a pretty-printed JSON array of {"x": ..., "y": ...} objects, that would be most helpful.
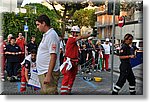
[{"x": 82, "y": 87}]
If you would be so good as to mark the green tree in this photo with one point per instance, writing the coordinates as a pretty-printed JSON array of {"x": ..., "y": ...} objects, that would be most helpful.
[
  {"x": 131, "y": 7},
  {"x": 41, "y": 9},
  {"x": 69, "y": 9},
  {"x": 70, "y": 6},
  {"x": 84, "y": 17},
  {"x": 14, "y": 23}
]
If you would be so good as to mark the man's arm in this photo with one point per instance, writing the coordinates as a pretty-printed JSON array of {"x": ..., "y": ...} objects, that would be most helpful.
[
  {"x": 127, "y": 56},
  {"x": 83, "y": 37},
  {"x": 27, "y": 67},
  {"x": 52, "y": 63},
  {"x": 26, "y": 74}
]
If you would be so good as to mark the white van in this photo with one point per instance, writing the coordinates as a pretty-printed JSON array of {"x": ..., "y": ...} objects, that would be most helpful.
[{"x": 138, "y": 44}]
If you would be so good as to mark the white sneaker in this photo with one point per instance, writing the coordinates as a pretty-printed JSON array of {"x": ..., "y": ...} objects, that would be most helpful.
[
  {"x": 99, "y": 70},
  {"x": 2, "y": 80},
  {"x": 89, "y": 73}
]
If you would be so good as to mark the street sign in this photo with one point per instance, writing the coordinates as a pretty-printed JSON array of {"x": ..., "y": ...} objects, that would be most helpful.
[
  {"x": 121, "y": 21},
  {"x": 25, "y": 28}
]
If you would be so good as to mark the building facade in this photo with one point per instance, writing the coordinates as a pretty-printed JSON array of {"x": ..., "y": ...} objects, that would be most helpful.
[{"x": 104, "y": 24}]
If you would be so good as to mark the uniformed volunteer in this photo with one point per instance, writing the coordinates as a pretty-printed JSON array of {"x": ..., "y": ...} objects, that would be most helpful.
[
  {"x": 70, "y": 67},
  {"x": 47, "y": 61},
  {"x": 12, "y": 52},
  {"x": 126, "y": 72}
]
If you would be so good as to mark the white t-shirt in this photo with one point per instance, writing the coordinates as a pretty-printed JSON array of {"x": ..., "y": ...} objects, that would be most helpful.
[
  {"x": 50, "y": 44},
  {"x": 106, "y": 48}
]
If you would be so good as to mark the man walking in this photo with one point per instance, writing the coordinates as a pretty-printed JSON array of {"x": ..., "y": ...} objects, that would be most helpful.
[
  {"x": 107, "y": 51},
  {"x": 48, "y": 56}
]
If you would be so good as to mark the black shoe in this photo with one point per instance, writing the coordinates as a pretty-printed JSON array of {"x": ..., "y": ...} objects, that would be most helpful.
[
  {"x": 12, "y": 79},
  {"x": 132, "y": 93},
  {"x": 108, "y": 70},
  {"x": 114, "y": 93}
]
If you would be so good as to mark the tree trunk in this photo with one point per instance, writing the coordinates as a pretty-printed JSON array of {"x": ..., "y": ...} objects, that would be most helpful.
[{"x": 63, "y": 26}]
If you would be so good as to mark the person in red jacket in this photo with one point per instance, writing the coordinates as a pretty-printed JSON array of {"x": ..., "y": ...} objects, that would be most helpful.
[
  {"x": 70, "y": 66},
  {"x": 20, "y": 41},
  {"x": 2, "y": 57}
]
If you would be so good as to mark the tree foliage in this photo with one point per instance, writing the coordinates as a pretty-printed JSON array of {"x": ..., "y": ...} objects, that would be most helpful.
[
  {"x": 14, "y": 23},
  {"x": 131, "y": 7},
  {"x": 84, "y": 17},
  {"x": 69, "y": 9}
]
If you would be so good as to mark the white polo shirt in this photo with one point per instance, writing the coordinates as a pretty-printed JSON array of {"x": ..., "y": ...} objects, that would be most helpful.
[
  {"x": 50, "y": 44},
  {"x": 106, "y": 48}
]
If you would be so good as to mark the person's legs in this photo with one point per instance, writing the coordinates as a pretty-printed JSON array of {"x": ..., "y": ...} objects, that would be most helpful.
[
  {"x": 103, "y": 64},
  {"x": 15, "y": 68},
  {"x": 65, "y": 80},
  {"x": 50, "y": 89},
  {"x": 121, "y": 80},
  {"x": 9, "y": 69},
  {"x": 72, "y": 76},
  {"x": 131, "y": 80},
  {"x": 106, "y": 61},
  {"x": 100, "y": 63},
  {"x": 3, "y": 68},
  {"x": 23, "y": 80}
]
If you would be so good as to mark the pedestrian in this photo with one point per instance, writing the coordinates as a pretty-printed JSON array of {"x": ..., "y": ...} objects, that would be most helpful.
[
  {"x": 2, "y": 57},
  {"x": 29, "y": 75},
  {"x": 20, "y": 41},
  {"x": 107, "y": 51},
  {"x": 12, "y": 52},
  {"x": 83, "y": 56},
  {"x": 62, "y": 49},
  {"x": 90, "y": 48},
  {"x": 99, "y": 52},
  {"x": 32, "y": 45},
  {"x": 8, "y": 39},
  {"x": 48, "y": 56},
  {"x": 126, "y": 72},
  {"x": 70, "y": 66}
]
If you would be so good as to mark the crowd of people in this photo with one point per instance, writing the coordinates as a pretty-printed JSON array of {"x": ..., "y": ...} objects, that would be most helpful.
[
  {"x": 45, "y": 62},
  {"x": 13, "y": 53}
]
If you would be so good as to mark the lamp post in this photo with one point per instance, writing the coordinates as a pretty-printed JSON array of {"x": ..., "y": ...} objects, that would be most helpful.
[{"x": 25, "y": 30}]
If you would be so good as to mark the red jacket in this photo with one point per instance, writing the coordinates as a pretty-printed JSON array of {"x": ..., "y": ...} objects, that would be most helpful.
[{"x": 71, "y": 48}]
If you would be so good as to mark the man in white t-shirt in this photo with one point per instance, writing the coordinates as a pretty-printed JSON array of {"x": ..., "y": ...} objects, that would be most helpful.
[
  {"x": 48, "y": 57},
  {"x": 107, "y": 50}
]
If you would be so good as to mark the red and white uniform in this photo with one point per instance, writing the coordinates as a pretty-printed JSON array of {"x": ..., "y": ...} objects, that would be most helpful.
[
  {"x": 2, "y": 57},
  {"x": 69, "y": 75},
  {"x": 27, "y": 63}
]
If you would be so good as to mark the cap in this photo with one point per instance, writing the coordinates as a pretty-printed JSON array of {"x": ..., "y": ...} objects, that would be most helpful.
[{"x": 107, "y": 39}]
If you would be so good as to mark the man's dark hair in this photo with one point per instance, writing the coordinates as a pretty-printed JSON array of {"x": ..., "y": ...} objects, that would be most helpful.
[
  {"x": 33, "y": 36},
  {"x": 33, "y": 51},
  {"x": 43, "y": 18},
  {"x": 12, "y": 38}
]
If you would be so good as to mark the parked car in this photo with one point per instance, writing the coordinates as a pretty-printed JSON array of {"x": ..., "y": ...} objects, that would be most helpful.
[{"x": 138, "y": 44}]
